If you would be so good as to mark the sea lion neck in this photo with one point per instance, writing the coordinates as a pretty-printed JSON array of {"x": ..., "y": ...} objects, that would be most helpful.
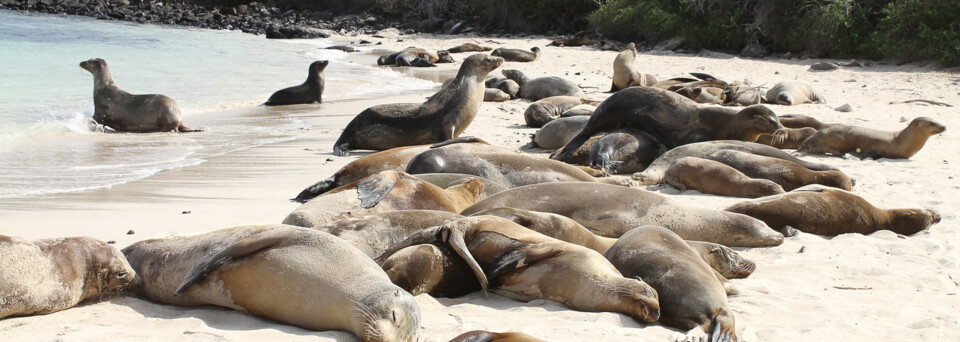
[
  {"x": 103, "y": 78},
  {"x": 721, "y": 123},
  {"x": 910, "y": 139}
]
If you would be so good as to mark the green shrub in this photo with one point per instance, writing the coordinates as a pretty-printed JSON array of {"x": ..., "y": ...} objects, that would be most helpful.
[{"x": 920, "y": 29}]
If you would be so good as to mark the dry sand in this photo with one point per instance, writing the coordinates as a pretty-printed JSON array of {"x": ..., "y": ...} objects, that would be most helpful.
[{"x": 851, "y": 288}]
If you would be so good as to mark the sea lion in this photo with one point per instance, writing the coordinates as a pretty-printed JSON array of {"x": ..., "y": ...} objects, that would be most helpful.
[
  {"x": 691, "y": 293},
  {"x": 787, "y": 174},
  {"x": 558, "y": 227},
  {"x": 723, "y": 259},
  {"x": 377, "y": 233},
  {"x": 517, "y": 55},
  {"x": 625, "y": 150},
  {"x": 581, "y": 110},
  {"x": 556, "y": 133},
  {"x": 487, "y": 336},
  {"x": 739, "y": 94},
  {"x": 45, "y": 276},
  {"x": 582, "y": 155},
  {"x": 610, "y": 211},
  {"x": 789, "y": 93},
  {"x": 579, "y": 40},
  {"x": 504, "y": 84},
  {"x": 525, "y": 265},
  {"x": 871, "y": 143},
  {"x": 625, "y": 72},
  {"x": 495, "y": 95},
  {"x": 444, "y": 116},
  {"x": 831, "y": 212},
  {"x": 407, "y": 56},
  {"x": 653, "y": 174},
  {"x": 309, "y": 92},
  {"x": 801, "y": 121},
  {"x": 433, "y": 269},
  {"x": 675, "y": 120},
  {"x": 547, "y": 109},
  {"x": 468, "y": 47},
  {"x": 447, "y": 180},
  {"x": 792, "y": 140},
  {"x": 703, "y": 95},
  {"x": 343, "y": 48},
  {"x": 380, "y": 193},
  {"x": 712, "y": 177},
  {"x": 326, "y": 283},
  {"x": 542, "y": 87},
  {"x": 125, "y": 112}
]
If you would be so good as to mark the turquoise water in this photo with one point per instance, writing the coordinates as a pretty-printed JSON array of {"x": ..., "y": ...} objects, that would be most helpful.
[{"x": 49, "y": 144}]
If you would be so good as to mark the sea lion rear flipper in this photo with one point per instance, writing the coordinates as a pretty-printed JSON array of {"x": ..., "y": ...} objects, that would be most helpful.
[
  {"x": 724, "y": 329},
  {"x": 243, "y": 247},
  {"x": 521, "y": 257},
  {"x": 184, "y": 129},
  {"x": 314, "y": 190},
  {"x": 460, "y": 140},
  {"x": 373, "y": 188}
]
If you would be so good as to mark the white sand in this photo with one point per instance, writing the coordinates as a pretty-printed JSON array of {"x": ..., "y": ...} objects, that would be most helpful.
[{"x": 902, "y": 288}]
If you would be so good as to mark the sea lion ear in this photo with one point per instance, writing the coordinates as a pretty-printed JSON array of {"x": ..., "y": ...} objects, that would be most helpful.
[{"x": 638, "y": 278}]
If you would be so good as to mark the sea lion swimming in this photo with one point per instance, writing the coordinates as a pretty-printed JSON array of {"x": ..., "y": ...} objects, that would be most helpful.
[
  {"x": 310, "y": 91},
  {"x": 542, "y": 87},
  {"x": 292, "y": 275},
  {"x": 444, "y": 116},
  {"x": 45, "y": 276},
  {"x": 625, "y": 72},
  {"x": 789, "y": 93},
  {"x": 871, "y": 143},
  {"x": 517, "y": 55},
  {"x": 125, "y": 112}
]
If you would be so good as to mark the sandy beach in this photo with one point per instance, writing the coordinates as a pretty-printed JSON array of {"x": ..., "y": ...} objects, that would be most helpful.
[{"x": 852, "y": 287}]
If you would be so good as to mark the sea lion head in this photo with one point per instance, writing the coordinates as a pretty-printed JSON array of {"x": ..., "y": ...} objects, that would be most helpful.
[
  {"x": 390, "y": 315},
  {"x": 731, "y": 265},
  {"x": 107, "y": 269},
  {"x": 94, "y": 65},
  {"x": 444, "y": 56},
  {"x": 757, "y": 120},
  {"x": 642, "y": 298},
  {"x": 482, "y": 63},
  {"x": 912, "y": 221},
  {"x": 318, "y": 66},
  {"x": 928, "y": 125}
]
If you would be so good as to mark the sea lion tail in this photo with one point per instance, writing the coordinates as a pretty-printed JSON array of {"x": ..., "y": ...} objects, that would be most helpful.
[
  {"x": 314, "y": 190},
  {"x": 184, "y": 129},
  {"x": 724, "y": 328},
  {"x": 217, "y": 258}
]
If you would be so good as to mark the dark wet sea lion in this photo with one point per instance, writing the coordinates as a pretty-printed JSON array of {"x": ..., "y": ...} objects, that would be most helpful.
[
  {"x": 691, "y": 293},
  {"x": 444, "y": 116},
  {"x": 789, "y": 93},
  {"x": 125, "y": 112},
  {"x": 343, "y": 48},
  {"x": 487, "y": 336},
  {"x": 787, "y": 174},
  {"x": 831, "y": 212},
  {"x": 610, "y": 211},
  {"x": 548, "y": 109},
  {"x": 712, "y": 177},
  {"x": 468, "y": 47},
  {"x": 792, "y": 140},
  {"x": 45, "y": 276},
  {"x": 625, "y": 151},
  {"x": 292, "y": 275},
  {"x": 517, "y": 55},
  {"x": 310, "y": 91},
  {"x": 871, "y": 143},
  {"x": 625, "y": 72},
  {"x": 674, "y": 120},
  {"x": 542, "y": 87},
  {"x": 556, "y": 133}
]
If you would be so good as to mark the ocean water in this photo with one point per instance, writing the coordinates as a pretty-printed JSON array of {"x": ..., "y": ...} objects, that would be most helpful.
[{"x": 49, "y": 143}]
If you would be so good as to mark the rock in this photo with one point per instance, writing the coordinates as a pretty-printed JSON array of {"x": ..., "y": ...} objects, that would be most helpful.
[
  {"x": 844, "y": 108},
  {"x": 753, "y": 50},
  {"x": 823, "y": 66},
  {"x": 388, "y": 33},
  {"x": 670, "y": 44}
]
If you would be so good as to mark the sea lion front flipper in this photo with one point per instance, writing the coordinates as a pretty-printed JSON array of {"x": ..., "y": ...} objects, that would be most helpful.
[
  {"x": 243, "y": 247},
  {"x": 724, "y": 329},
  {"x": 314, "y": 190},
  {"x": 455, "y": 239},
  {"x": 522, "y": 256},
  {"x": 373, "y": 188}
]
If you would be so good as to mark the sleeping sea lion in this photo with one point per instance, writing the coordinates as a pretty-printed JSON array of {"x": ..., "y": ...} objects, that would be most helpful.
[
  {"x": 542, "y": 87},
  {"x": 625, "y": 151},
  {"x": 556, "y": 133},
  {"x": 547, "y": 109},
  {"x": 469, "y": 47},
  {"x": 789, "y": 93},
  {"x": 487, "y": 336},
  {"x": 517, "y": 55},
  {"x": 712, "y": 177},
  {"x": 787, "y": 174},
  {"x": 495, "y": 95}
]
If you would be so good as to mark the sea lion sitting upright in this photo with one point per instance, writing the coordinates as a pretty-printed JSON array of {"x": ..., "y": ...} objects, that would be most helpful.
[
  {"x": 625, "y": 73},
  {"x": 292, "y": 275},
  {"x": 46, "y": 276},
  {"x": 517, "y": 55},
  {"x": 556, "y": 133},
  {"x": 674, "y": 120},
  {"x": 712, "y": 177},
  {"x": 469, "y": 47},
  {"x": 691, "y": 293},
  {"x": 547, "y": 109},
  {"x": 871, "y": 143},
  {"x": 125, "y": 112},
  {"x": 825, "y": 211},
  {"x": 443, "y": 117},
  {"x": 542, "y": 87},
  {"x": 310, "y": 91},
  {"x": 789, "y": 93}
]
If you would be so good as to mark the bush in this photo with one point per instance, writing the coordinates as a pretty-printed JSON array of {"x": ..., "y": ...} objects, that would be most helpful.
[{"x": 920, "y": 29}]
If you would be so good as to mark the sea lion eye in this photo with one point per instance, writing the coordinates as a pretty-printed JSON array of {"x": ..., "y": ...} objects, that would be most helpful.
[
  {"x": 121, "y": 274},
  {"x": 394, "y": 315}
]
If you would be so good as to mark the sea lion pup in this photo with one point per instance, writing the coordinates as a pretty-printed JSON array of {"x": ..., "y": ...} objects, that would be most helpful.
[
  {"x": 556, "y": 133},
  {"x": 691, "y": 293},
  {"x": 786, "y": 173},
  {"x": 712, "y": 177},
  {"x": 524, "y": 265},
  {"x": 469, "y": 47},
  {"x": 653, "y": 174},
  {"x": 488, "y": 336},
  {"x": 740, "y": 94},
  {"x": 292, "y": 275},
  {"x": 675, "y": 120},
  {"x": 542, "y": 87},
  {"x": 789, "y": 93},
  {"x": 501, "y": 165},
  {"x": 547, "y": 109},
  {"x": 624, "y": 151},
  {"x": 444, "y": 116},
  {"x": 383, "y": 192},
  {"x": 517, "y": 55},
  {"x": 45, "y": 276},
  {"x": 125, "y": 112},
  {"x": 504, "y": 84},
  {"x": 447, "y": 180},
  {"x": 610, "y": 211},
  {"x": 495, "y": 95},
  {"x": 625, "y": 72},
  {"x": 432, "y": 269},
  {"x": 825, "y": 211},
  {"x": 792, "y": 140},
  {"x": 801, "y": 121},
  {"x": 871, "y": 143},
  {"x": 309, "y": 92}
]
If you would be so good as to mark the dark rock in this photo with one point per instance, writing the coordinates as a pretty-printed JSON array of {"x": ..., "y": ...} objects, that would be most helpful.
[{"x": 754, "y": 50}]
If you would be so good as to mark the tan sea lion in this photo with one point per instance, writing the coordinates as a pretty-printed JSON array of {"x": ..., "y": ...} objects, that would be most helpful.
[
  {"x": 870, "y": 143},
  {"x": 625, "y": 72},
  {"x": 125, "y": 112},
  {"x": 444, "y": 116},
  {"x": 789, "y": 93},
  {"x": 517, "y": 55},
  {"x": 542, "y": 87},
  {"x": 433, "y": 269},
  {"x": 787, "y": 174},
  {"x": 723, "y": 259},
  {"x": 610, "y": 211},
  {"x": 691, "y": 293},
  {"x": 582, "y": 155},
  {"x": 411, "y": 56},
  {"x": 503, "y": 84},
  {"x": 826, "y": 211},
  {"x": 469, "y": 47},
  {"x": 447, "y": 180},
  {"x": 556, "y": 133},
  {"x": 712, "y": 177},
  {"x": 625, "y": 151},
  {"x": 292, "y": 275},
  {"x": 558, "y": 227},
  {"x": 45, "y": 276},
  {"x": 487, "y": 336},
  {"x": 310, "y": 91},
  {"x": 495, "y": 95},
  {"x": 548, "y": 109},
  {"x": 739, "y": 94},
  {"x": 792, "y": 140},
  {"x": 383, "y": 192}
]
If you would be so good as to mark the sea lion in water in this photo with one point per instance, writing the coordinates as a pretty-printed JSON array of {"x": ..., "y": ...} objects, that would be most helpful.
[
  {"x": 309, "y": 92},
  {"x": 487, "y": 336},
  {"x": 625, "y": 72},
  {"x": 447, "y": 180},
  {"x": 610, "y": 211},
  {"x": 326, "y": 283},
  {"x": 517, "y": 55},
  {"x": 468, "y": 47},
  {"x": 542, "y": 87},
  {"x": 871, "y": 143},
  {"x": 653, "y": 174},
  {"x": 787, "y": 174},
  {"x": 691, "y": 293},
  {"x": 792, "y": 140},
  {"x": 444, "y": 116},
  {"x": 495, "y": 95},
  {"x": 712, "y": 177},
  {"x": 547, "y": 109},
  {"x": 625, "y": 150},
  {"x": 675, "y": 120},
  {"x": 125, "y": 112},
  {"x": 831, "y": 212},
  {"x": 45, "y": 276},
  {"x": 789, "y": 93},
  {"x": 556, "y": 133},
  {"x": 380, "y": 193}
]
